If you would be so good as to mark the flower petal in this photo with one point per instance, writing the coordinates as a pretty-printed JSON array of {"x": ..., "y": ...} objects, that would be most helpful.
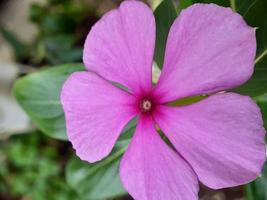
[
  {"x": 95, "y": 112},
  {"x": 221, "y": 137},
  {"x": 150, "y": 169},
  {"x": 120, "y": 46},
  {"x": 209, "y": 49}
]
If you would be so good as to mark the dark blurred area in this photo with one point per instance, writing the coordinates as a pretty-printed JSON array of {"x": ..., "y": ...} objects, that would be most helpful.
[{"x": 61, "y": 30}]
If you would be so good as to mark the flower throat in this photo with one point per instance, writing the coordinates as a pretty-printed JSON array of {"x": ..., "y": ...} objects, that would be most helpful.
[{"x": 146, "y": 105}]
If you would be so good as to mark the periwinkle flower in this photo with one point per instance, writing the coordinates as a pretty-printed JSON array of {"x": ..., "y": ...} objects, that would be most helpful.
[{"x": 218, "y": 141}]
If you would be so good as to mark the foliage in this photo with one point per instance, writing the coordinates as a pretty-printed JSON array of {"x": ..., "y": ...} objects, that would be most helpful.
[
  {"x": 100, "y": 180},
  {"x": 257, "y": 190},
  {"x": 39, "y": 95},
  {"x": 32, "y": 168},
  {"x": 61, "y": 33},
  {"x": 256, "y": 87},
  {"x": 165, "y": 14}
]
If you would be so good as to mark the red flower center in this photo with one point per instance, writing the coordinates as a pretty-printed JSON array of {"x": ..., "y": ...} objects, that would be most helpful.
[{"x": 146, "y": 105}]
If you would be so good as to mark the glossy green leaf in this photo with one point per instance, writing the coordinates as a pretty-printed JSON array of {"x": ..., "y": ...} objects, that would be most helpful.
[
  {"x": 225, "y": 3},
  {"x": 99, "y": 180},
  {"x": 262, "y": 103},
  {"x": 39, "y": 96},
  {"x": 242, "y": 6},
  {"x": 257, "y": 190},
  {"x": 184, "y": 4},
  {"x": 128, "y": 130},
  {"x": 256, "y": 16},
  {"x": 165, "y": 14},
  {"x": 187, "y": 100}
]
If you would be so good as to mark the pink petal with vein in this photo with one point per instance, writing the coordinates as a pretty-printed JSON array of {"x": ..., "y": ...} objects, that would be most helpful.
[
  {"x": 95, "y": 112},
  {"x": 120, "y": 46},
  {"x": 221, "y": 137},
  {"x": 209, "y": 49},
  {"x": 150, "y": 169}
]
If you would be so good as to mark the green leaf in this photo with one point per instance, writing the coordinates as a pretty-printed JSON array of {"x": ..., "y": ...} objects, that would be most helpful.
[
  {"x": 184, "y": 4},
  {"x": 39, "y": 95},
  {"x": 187, "y": 100},
  {"x": 257, "y": 190},
  {"x": 128, "y": 130},
  {"x": 256, "y": 16},
  {"x": 99, "y": 180},
  {"x": 225, "y": 3},
  {"x": 165, "y": 14},
  {"x": 254, "y": 12},
  {"x": 262, "y": 103},
  {"x": 242, "y": 6}
]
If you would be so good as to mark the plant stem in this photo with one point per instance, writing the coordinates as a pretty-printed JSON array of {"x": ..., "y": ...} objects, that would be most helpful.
[
  {"x": 233, "y": 6},
  {"x": 264, "y": 53}
]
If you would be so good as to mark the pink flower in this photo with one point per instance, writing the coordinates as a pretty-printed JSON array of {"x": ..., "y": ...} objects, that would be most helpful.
[{"x": 218, "y": 141}]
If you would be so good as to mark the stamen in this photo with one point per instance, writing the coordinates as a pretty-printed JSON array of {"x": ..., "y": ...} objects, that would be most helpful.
[{"x": 146, "y": 105}]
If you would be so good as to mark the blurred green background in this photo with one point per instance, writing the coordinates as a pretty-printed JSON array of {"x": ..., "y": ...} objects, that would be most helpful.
[{"x": 39, "y": 37}]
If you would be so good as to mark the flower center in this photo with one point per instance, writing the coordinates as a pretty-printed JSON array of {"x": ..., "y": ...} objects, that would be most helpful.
[{"x": 146, "y": 105}]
